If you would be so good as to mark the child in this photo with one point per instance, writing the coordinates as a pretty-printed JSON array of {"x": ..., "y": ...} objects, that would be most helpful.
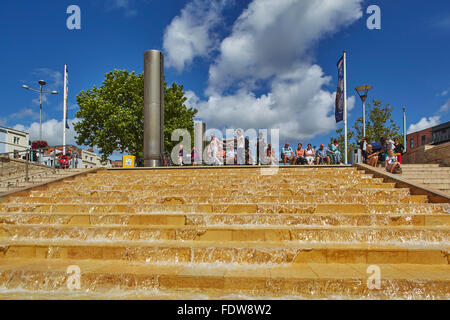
[{"x": 391, "y": 162}]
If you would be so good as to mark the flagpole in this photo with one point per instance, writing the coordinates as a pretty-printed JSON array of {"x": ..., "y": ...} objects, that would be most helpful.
[
  {"x": 345, "y": 105},
  {"x": 64, "y": 108}
]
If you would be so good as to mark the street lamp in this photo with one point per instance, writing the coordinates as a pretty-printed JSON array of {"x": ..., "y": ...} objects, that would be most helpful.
[
  {"x": 42, "y": 83},
  {"x": 404, "y": 129},
  {"x": 362, "y": 92}
]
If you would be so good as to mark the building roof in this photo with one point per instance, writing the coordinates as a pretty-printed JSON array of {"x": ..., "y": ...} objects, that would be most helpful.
[
  {"x": 441, "y": 126},
  {"x": 6, "y": 128}
]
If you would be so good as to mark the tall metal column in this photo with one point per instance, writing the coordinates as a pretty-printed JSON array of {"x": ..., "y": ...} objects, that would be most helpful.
[
  {"x": 404, "y": 129},
  {"x": 153, "y": 108}
]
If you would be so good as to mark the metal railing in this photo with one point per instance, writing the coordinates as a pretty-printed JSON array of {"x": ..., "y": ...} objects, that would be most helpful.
[{"x": 31, "y": 162}]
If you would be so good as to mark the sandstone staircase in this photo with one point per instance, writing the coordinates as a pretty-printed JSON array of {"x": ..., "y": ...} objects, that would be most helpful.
[
  {"x": 430, "y": 175},
  {"x": 223, "y": 233}
]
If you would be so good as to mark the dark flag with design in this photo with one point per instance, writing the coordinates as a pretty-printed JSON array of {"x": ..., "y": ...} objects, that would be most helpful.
[{"x": 339, "y": 105}]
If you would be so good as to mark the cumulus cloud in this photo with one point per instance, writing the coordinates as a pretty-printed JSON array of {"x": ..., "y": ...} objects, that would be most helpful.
[
  {"x": 424, "y": 123},
  {"x": 191, "y": 34},
  {"x": 288, "y": 106},
  {"x": 445, "y": 107},
  {"x": 271, "y": 36},
  {"x": 51, "y": 131},
  {"x": 270, "y": 51},
  {"x": 25, "y": 113}
]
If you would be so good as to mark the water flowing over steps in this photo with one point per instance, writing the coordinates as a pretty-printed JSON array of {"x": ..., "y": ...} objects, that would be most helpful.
[{"x": 225, "y": 234}]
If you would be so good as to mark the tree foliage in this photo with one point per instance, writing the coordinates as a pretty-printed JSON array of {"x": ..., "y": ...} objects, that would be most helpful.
[
  {"x": 112, "y": 115},
  {"x": 378, "y": 124}
]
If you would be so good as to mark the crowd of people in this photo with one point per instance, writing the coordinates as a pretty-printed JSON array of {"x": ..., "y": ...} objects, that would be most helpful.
[
  {"x": 311, "y": 155},
  {"x": 388, "y": 153},
  {"x": 236, "y": 151}
]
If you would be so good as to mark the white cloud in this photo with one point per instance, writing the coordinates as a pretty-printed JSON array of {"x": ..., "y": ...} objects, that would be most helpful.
[
  {"x": 190, "y": 34},
  {"x": 444, "y": 93},
  {"x": 445, "y": 107},
  {"x": 270, "y": 50},
  {"x": 51, "y": 131},
  {"x": 53, "y": 78},
  {"x": 25, "y": 113},
  {"x": 424, "y": 123},
  {"x": 271, "y": 36},
  {"x": 289, "y": 106},
  {"x": 126, "y": 5}
]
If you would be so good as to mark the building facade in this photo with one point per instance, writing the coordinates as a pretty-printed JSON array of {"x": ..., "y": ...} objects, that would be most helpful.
[
  {"x": 441, "y": 133},
  {"x": 420, "y": 138},
  {"x": 90, "y": 159},
  {"x": 13, "y": 141}
]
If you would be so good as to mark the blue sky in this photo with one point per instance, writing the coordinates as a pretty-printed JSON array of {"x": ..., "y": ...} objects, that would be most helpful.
[{"x": 249, "y": 64}]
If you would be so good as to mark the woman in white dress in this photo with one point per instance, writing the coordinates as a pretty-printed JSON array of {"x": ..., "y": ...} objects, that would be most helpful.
[{"x": 309, "y": 155}]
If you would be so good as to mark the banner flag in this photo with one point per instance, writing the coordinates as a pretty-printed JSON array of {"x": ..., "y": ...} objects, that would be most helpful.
[{"x": 339, "y": 104}]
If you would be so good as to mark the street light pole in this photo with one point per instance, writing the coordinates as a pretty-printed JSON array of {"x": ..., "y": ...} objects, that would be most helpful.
[
  {"x": 404, "y": 128},
  {"x": 364, "y": 118},
  {"x": 41, "y": 91},
  {"x": 362, "y": 92},
  {"x": 40, "y": 114}
]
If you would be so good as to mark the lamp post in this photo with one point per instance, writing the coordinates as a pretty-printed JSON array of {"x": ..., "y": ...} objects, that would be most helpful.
[
  {"x": 42, "y": 83},
  {"x": 362, "y": 92},
  {"x": 404, "y": 128}
]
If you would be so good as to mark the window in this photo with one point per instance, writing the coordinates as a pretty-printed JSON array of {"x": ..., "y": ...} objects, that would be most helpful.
[
  {"x": 411, "y": 143},
  {"x": 423, "y": 140}
]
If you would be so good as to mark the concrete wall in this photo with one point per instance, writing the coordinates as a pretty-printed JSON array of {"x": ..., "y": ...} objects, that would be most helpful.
[{"x": 429, "y": 154}]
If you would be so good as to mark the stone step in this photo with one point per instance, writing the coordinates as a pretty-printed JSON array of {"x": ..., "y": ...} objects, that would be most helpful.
[
  {"x": 118, "y": 219},
  {"x": 174, "y": 191},
  {"x": 428, "y": 170},
  {"x": 186, "y": 183},
  {"x": 225, "y": 208},
  {"x": 68, "y": 187},
  {"x": 421, "y": 165},
  {"x": 230, "y": 199},
  {"x": 426, "y": 175},
  {"x": 237, "y": 252},
  {"x": 144, "y": 234},
  {"x": 46, "y": 279},
  {"x": 439, "y": 182}
]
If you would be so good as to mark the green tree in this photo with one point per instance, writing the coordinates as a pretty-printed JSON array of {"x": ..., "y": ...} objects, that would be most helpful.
[
  {"x": 378, "y": 123},
  {"x": 112, "y": 115}
]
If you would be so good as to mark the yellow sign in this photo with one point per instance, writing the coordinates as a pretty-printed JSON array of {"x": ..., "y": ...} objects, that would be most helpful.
[{"x": 128, "y": 161}]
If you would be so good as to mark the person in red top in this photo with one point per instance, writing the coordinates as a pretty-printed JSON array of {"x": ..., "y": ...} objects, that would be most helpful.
[{"x": 300, "y": 155}]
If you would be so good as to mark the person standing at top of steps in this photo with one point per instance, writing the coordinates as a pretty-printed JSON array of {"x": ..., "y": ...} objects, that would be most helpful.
[
  {"x": 180, "y": 155},
  {"x": 213, "y": 150},
  {"x": 260, "y": 147},
  {"x": 399, "y": 149},
  {"x": 240, "y": 148}
]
